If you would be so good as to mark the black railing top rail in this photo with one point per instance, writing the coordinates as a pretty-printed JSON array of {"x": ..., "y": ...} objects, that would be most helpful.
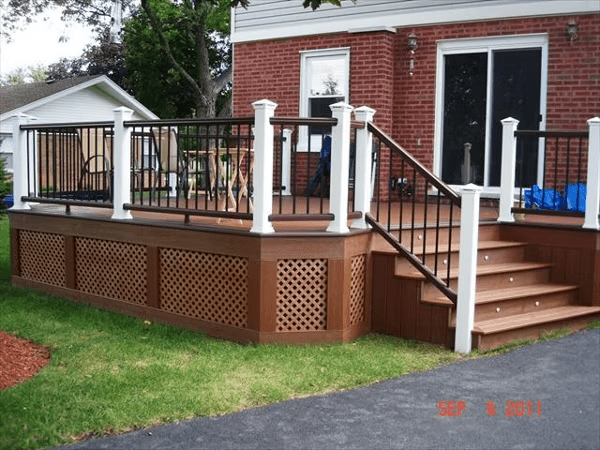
[
  {"x": 66, "y": 126},
  {"x": 173, "y": 122},
  {"x": 551, "y": 133},
  {"x": 411, "y": 161}
]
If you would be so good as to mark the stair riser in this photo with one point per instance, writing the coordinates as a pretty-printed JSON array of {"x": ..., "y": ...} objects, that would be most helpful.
[
  {"x": 496, "y": 281},
  {"x": 487, "y": 342},
  {"x": 484, "y": 257},
  {"x": 524, "y": 305}
]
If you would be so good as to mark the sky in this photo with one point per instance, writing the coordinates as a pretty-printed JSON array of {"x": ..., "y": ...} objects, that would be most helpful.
[{"x": 39, "y": 43}]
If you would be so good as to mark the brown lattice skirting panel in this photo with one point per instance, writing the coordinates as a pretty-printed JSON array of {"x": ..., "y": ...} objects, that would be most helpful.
[
  {"x": 111, "y": 269},
  {"x": 231, "y": 284},
  {"x": 301, "y": 295},
  {"x": 42, "y": 257},
  {"x": 357, "y": 289},
  {"x": 204, "y": 285}
]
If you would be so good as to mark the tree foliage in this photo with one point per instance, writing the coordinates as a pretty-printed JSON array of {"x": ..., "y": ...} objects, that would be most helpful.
[
  {"x": 22, "y": 75},
  {"x": 102, "y": 58},
  {"x": 176, "y": 52}
]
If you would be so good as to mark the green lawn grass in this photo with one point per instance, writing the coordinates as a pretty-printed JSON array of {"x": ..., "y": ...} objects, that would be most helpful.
[{"x": 111, "y": 373}]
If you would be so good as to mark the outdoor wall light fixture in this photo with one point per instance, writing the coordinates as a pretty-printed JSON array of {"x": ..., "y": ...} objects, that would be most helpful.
[
  {"x": 572, "y": 30},
  {"x": 412, "y": 46}
]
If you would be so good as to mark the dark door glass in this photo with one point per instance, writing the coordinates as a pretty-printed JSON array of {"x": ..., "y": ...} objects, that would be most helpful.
[
  {"x": 517, "y": 78},
  {"x": 465, "y": 98}
]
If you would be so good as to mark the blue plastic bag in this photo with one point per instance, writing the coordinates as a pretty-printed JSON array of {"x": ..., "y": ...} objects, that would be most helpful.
[
  {"x": 8, "y": 201},
  {"x": 543, "y": 198},
  {"x": 575, "y": 197}
]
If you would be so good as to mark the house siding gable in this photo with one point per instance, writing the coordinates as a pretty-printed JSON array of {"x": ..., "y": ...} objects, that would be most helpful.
[{"x": 275, "y": 19}]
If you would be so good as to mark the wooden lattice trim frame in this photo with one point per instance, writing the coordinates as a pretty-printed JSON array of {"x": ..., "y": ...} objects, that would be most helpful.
[
  {"x": 357, "y": 289},
  {"x": 208, "y": 286},
  {"x": 42, "y": 257},
  {"x": 301, "y": 295},
  {"x": 110, "y": 269}
]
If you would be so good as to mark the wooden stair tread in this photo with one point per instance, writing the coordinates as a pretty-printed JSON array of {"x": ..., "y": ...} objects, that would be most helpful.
[
  {"x": 483, "y": 270},
  {"x": 483, "y": 245},
  {"x": 430, "y": 248},
  {"x": 512, "y": 293},
  {"x": 521, "y": 292},
  {"x": 557, "y": 314}
]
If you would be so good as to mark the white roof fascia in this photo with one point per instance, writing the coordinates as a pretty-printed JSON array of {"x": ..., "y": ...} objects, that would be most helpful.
[
  {"x": 111, "y": 87},
  {"x": 438, "y": 16}
]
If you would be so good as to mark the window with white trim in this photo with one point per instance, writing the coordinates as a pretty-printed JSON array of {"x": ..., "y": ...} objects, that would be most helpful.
[{"x": 324, "y": 80}]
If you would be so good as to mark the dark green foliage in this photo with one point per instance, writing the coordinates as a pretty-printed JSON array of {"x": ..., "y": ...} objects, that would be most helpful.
[{"x": 5, "y": 184}]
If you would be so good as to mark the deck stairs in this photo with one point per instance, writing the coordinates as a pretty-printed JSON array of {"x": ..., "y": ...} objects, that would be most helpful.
[{"x": 515, "y": 296}]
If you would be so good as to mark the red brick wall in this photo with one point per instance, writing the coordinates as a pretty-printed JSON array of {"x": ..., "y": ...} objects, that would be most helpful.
[
  {"x": 405, "y": 104},
  {"x": 271, "y": 70}
]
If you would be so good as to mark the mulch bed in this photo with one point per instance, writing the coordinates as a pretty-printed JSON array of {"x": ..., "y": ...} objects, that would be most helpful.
[{"x": 19, "y": 359}]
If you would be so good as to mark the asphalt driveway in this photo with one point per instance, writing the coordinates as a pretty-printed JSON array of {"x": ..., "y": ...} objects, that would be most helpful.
[{"x": 541, "y": 396}]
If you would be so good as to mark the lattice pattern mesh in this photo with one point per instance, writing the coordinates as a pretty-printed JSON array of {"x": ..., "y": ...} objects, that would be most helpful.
[
  {"x": 301, "y": 294},
  {"x": 205, "y": 285},
  {"x": 357, "y": 290},
  {"x": 42, "y": 257},
  {"x": 112, "y": 269}
]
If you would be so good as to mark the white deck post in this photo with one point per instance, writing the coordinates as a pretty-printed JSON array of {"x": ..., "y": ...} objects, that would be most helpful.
[
  {"x": 509, "y": 162},
  {"x": 340, "y": 167},
  {"x": 467, "y": 268},
  {"x": 122, "y": 162},
  {"x": 286, "y": 162},
  {"x": 263, "y": 166},
  {"x": 592, "y": 200},
  {"x": 21, "y": 159},
  {"x": 362, "y": 176}
]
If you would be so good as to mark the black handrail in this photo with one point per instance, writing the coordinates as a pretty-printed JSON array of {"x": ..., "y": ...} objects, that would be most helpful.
[
  {"x": 408, "y": 158},
  {"x": 408, "y": 188}
]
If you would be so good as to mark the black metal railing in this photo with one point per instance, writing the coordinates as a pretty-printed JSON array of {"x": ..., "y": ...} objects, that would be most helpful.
[
  {"x": 193, "y": 167},
  {"x": 303, "y": 194},
  {"x": 70, "y": 164},
  {"x": 411, "y": 204},
  {"x": 551, "y": 172}
]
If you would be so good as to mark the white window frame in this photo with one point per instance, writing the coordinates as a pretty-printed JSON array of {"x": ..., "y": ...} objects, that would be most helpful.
[
  {"x": 305, "y": 83},
  {"x": 486, "y": 45}
]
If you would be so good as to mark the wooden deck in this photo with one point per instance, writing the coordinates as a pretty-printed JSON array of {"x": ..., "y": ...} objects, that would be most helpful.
[{"x": 302, "y": 283}]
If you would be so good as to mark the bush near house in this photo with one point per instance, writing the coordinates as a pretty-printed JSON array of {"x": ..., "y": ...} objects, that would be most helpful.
[{"x": 5, "y": 184}]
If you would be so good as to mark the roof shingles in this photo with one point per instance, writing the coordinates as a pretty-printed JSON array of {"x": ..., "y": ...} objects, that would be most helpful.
[{"x": 13, "y": 97}]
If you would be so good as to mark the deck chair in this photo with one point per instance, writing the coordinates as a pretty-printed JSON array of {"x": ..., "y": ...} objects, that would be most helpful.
[
  {"x": 95, "y": 177},
  {"x": 320, "y": 178},
  {"x": 155, "y": 161}
]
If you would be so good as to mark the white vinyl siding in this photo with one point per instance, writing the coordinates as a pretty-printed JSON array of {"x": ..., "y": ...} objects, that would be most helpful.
[
  {"x": 272, "y": 19},
  {"x": 86, "y": 105}
]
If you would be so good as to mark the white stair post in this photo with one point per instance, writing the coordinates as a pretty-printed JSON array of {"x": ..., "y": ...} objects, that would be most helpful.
[
  {"x": 21, "y": 159},
  {"x": 509, "y": 162},
  {"x": 286, "y": 162},
  {"x": 263, "y": 166},
  {"x": 122, "y": 163},
  {"x": 592, "y": 200},
  {"x": 362, "y": 175},
  {"x": 467, "y": 268},
  {"x": 340, "y": 167}
]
